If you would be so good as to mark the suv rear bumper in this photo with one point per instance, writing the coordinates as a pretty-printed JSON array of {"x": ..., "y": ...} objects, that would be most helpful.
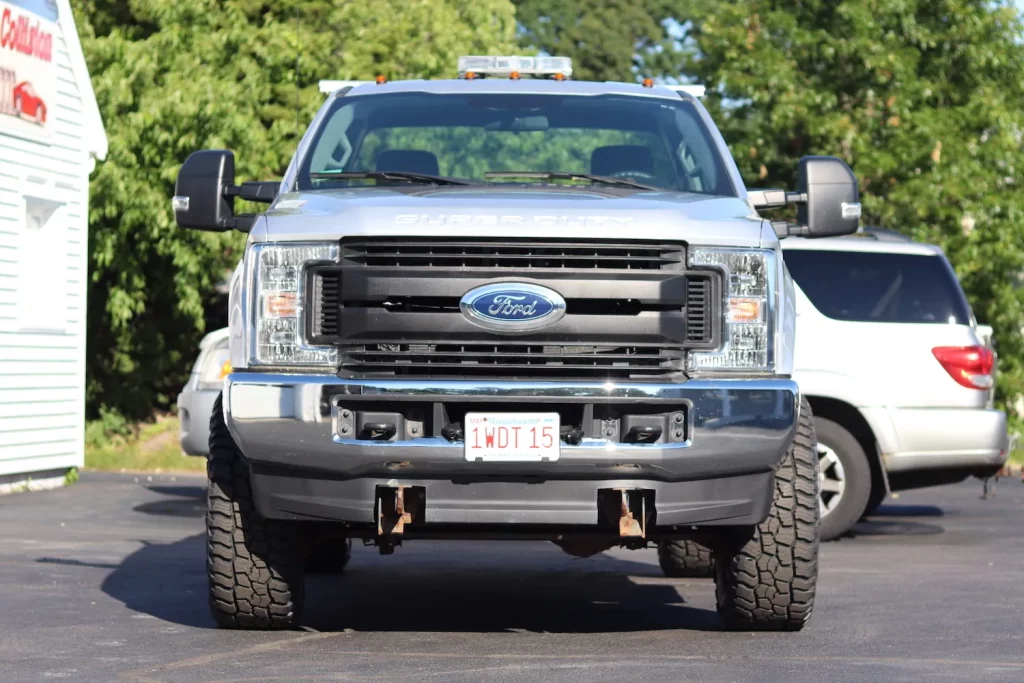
[
  {"x": 947, "y": 438},
  {"x": 287, "y": 427}
]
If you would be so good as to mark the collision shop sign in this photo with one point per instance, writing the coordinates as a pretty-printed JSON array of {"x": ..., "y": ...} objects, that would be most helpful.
[{"x": 28, "y": 30}]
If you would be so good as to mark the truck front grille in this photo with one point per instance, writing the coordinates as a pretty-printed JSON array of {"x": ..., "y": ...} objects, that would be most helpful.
[
  {"x": 632, "y": 309},
  {"x": 512, "y": 254}
]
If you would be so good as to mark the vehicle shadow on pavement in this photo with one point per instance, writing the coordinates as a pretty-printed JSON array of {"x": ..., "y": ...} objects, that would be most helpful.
[
  {"x": 164, "y": 580},
  {"x": 187, "y": 501},
  {"x": 549, "y": 594},
  {"x": 455, "y": 587},
  {"x": 900, "y": 520}
]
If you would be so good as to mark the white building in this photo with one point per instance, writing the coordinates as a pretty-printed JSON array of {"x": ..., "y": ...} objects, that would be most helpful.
[{"x": 51, "y": 136}]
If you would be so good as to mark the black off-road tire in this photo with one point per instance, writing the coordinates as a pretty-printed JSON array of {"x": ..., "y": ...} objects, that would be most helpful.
[
  {"x": 857, "y": 490},
  {"x": 768, "y": 583},
  {"x": 685, "y": 560},
  {"x": 254, "y": 565}
]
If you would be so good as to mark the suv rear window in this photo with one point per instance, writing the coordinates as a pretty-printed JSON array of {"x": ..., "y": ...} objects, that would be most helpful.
[{"x": 881, "y": 288}]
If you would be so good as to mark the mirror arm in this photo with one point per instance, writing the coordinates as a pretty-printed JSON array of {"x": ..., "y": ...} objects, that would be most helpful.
[
  {"x": 254, "y": 191},
  {"x": 785, "y": 229},
  {"x": 242, "y": 222},
  {"x": 775, "y": 199}
]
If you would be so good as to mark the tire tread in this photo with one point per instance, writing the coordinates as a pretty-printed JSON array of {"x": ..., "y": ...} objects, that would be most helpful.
[
  {"x": 769, "y": 583},
  {"x": 253, "y": 568},
  {"x": 685, "y": 559}
]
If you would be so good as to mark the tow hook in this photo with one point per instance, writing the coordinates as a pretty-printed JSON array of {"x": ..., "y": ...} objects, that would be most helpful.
[{"x": 395, "y": 507}]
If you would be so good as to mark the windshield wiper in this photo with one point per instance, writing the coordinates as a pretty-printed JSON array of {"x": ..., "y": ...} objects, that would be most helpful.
[
  {"x": 406, "y": 176},
  {"x": 566, "y": 175}
]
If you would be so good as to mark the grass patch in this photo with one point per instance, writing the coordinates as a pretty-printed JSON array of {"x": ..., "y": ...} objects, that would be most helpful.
[
  {"x": 1017, "y": 457},
  {"x": 146, "y": 447}
]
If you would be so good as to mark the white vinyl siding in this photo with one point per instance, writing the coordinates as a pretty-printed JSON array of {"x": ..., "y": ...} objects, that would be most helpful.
[{"x": 42, "y": 371}]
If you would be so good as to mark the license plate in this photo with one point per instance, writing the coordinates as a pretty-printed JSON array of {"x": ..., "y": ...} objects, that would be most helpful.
[{"x": 512, "y": 437}]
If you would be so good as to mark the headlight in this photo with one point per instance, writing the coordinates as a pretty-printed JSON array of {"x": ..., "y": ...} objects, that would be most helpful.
[
  {"x": 216, "y": 366},
  {"x": 747, "y": 310},
  {"x": 279, "y": 287}
]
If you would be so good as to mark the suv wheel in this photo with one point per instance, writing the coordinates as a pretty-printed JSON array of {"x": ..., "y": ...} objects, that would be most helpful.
[
  {"x": 845, "y": 479},
  {"x": 768, "y": 583},
  {"x": 685, "y": 559},
  {"x": 253, "y": 564}
]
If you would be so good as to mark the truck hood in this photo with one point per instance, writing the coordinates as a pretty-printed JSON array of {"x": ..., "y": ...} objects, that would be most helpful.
[{"x": 522, "y": 212}]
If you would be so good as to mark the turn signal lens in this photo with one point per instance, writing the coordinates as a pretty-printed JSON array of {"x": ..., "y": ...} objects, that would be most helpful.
[
  {"x": 225, "y": 369},
  {"x": 281, "y": 305},
  {"x": 970, "y": 366},
  {"x": 745, "y": 311}
]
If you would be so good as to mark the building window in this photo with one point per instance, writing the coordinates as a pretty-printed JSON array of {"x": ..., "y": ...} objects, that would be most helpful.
[{"x": 43, "y": 281}]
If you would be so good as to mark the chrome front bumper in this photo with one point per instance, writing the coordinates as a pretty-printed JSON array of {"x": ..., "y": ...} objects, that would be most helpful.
[{"x": 287, "y": 428}]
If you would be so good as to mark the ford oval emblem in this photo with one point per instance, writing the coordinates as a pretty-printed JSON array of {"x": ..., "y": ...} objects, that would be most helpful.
[{"x": 512, "y": 307}]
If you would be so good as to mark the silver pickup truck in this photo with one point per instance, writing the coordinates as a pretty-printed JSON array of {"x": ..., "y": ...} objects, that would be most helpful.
[{"x": 512, "y": 306}]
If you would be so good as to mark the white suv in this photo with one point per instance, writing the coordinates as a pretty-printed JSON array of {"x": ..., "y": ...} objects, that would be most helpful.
[{"x": 898, "y": 374}]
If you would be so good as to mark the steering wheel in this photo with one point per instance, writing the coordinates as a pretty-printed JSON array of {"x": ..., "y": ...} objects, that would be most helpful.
[{"x": 632, "y": 175}]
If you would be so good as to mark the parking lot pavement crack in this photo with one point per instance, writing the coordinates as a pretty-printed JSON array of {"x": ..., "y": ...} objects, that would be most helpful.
[{"x": 146, "y": 675}]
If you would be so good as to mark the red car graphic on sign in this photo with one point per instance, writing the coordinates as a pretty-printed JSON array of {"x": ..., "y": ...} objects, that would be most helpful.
[{"x": 27, "y": 103}]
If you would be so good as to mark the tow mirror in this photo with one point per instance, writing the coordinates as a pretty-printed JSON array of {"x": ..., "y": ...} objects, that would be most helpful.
[
  {"x": 831, "y": 203},
  {"x": 204, "y": 194},
  {"x": 828, "y": 201}
]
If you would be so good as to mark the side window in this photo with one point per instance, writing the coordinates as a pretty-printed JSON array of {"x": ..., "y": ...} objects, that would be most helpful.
[
  {"x": 884, "y": 288},
  {"x": 695, "y": 157}
]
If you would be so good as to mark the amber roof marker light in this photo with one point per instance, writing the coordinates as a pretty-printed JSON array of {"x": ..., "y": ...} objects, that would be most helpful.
[
  {"x": 648, "y": 83},
  {"x": 381, "y": 79}
]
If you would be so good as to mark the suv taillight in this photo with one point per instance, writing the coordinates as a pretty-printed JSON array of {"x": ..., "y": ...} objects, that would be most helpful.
[{"x": 970, "y": 366}]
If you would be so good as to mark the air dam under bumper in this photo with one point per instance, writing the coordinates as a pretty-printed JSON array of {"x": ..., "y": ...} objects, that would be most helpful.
[{"x": 287, "y": 426}]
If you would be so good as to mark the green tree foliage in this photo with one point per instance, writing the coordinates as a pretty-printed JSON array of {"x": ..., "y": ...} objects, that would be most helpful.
[
  {"x": 921, "y": 97},
  {"x": 172, "y": 77},
  {"x": 608, "y": 40}
]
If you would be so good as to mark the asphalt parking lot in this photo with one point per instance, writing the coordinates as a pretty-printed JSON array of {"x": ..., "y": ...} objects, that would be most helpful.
[{"x": 104, "y": 581}]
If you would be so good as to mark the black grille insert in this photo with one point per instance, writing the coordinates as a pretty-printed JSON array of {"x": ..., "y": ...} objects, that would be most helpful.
[
  {"x": 326, "y": 303},
  {"x": 511, "y": 360},
  {"x": 698, "y": 310},
  {"x": 512, "y": 254}
]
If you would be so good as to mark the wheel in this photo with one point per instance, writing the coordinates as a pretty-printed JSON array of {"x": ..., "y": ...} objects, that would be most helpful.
[
  {"x": 685, "y": 559},
  {"x": 845, "y": 479},
  {"x": 254, "y": 565},
  {"x": 329, "y": 557},
  {"x": 768, "y": 583}
]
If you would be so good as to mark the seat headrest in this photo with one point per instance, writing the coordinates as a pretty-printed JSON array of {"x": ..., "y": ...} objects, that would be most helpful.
[
  {"x": 408, "y": 160},
  {"x": 618, "y": 158}
]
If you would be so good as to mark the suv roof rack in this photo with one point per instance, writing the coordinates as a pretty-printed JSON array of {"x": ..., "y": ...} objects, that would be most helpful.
[{"x": 881, "y": 234}]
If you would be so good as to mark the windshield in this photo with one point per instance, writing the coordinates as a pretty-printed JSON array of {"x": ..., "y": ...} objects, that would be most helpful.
[{"x": 483, "y": 138}]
